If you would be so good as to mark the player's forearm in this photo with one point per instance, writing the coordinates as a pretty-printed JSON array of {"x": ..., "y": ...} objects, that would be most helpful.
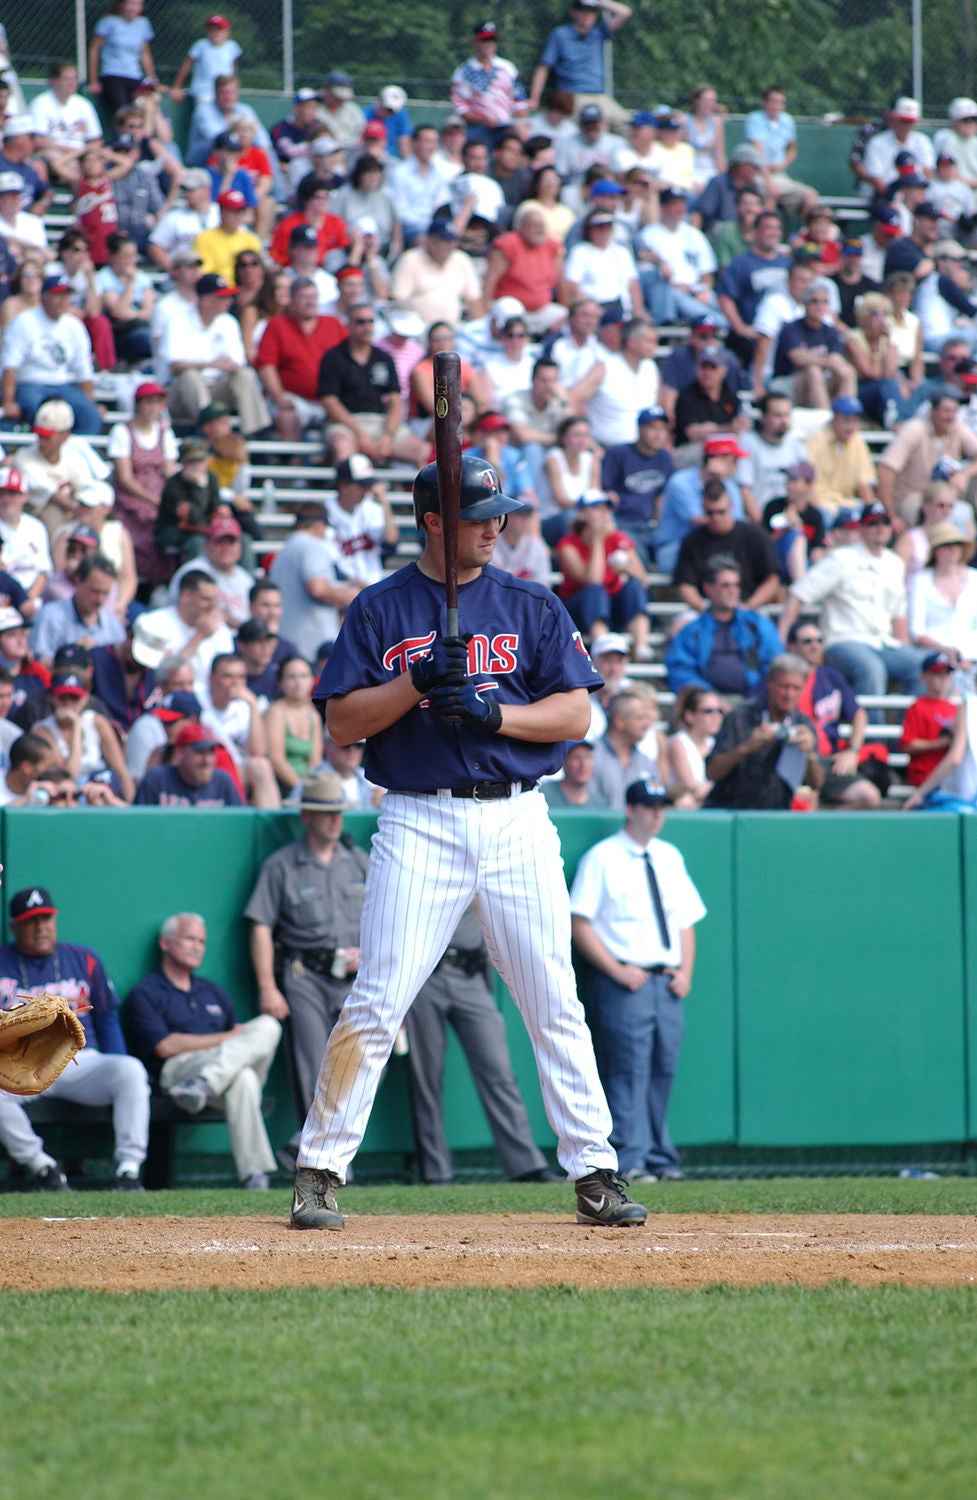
[
  {"x": 368, "y": 711},
  {"x": 561, "y": 716}
]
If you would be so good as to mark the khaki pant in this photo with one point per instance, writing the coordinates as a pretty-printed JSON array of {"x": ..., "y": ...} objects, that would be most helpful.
[
  {"x": 190, "y": 393},
  {"x": 235, "y": 1071}
]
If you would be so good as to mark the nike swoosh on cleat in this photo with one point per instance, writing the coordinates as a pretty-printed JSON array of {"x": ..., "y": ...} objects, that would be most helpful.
[{"x": 597, "y": 1204}]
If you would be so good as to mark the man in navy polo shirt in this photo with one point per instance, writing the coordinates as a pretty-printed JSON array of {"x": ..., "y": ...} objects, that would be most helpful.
[{"x": 187, "y": 1033}]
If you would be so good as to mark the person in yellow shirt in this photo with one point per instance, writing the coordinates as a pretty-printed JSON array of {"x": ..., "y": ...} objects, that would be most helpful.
[
  {"x": 218, "y": 248},
  {"x": 843, "y": 467}
]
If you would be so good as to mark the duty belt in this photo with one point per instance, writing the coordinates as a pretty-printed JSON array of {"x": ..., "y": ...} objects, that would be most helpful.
[
  {"x": 316, "y": 960},
  {"x": 481, "y": 791},
  {"x": 468, "y": 960}
]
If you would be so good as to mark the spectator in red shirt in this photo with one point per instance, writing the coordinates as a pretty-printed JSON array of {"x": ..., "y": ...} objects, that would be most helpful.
[
  {"x": 927, "y": 728},
  {"x": 528, "y": 265},
  {"x": 605, "y": 586},
  {"x": 96, "y": 212},
  {"x": 289, "y": 356},
  {"x": 313, "y": 201}
]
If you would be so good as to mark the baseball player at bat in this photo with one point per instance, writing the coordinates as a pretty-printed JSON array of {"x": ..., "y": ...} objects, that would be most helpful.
[{"x": 459, "y": 730}]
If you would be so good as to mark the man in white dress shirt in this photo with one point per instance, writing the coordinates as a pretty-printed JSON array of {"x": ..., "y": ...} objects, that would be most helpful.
[{"x": 634, "y": 909}]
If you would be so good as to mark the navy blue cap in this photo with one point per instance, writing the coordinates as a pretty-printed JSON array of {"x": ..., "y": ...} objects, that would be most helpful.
[{"x": 649, "y": 792}]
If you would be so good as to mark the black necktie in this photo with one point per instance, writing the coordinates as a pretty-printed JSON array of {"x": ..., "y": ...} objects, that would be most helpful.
[{"x": 658, "y": 904}]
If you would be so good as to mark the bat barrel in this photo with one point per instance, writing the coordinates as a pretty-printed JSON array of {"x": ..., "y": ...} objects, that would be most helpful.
[{"x": 447, "y": 447}]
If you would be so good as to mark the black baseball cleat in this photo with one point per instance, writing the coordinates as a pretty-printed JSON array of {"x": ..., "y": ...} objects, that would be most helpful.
[
  {"x": 602, "y": 1198},
  {"x": 50, "y": 1179},
  {"x": 314, "y": 1203}
]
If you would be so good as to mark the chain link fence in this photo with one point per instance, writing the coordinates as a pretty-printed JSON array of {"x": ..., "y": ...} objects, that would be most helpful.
[{"x": 843, "y": 57}]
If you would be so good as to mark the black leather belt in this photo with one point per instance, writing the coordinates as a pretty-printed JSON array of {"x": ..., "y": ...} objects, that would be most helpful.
[
  {"x": 483, "y": 791},
  {"x": 658, "y": 969}
]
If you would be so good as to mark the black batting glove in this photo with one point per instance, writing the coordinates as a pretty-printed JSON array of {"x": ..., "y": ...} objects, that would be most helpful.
[
  {"x": 445, "y": 662},
  {"x": 459, "y": 703}
]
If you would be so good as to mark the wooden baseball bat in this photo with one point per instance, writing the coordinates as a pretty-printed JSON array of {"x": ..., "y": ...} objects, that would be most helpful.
[{"x": 447, "y": 447}]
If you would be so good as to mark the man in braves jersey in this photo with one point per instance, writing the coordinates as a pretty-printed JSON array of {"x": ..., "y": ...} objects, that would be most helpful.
[
  {"x": 459, "y": 731},
  {"x": 102, "y": 1073},
  {"x": 363, "y": 525}
]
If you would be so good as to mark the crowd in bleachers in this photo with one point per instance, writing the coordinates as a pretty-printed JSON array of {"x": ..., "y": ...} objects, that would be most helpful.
[{"x": 729, "y": 417}]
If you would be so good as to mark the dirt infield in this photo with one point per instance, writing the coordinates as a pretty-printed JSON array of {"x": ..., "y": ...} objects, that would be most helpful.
[{"x": 504, "y": 1250}]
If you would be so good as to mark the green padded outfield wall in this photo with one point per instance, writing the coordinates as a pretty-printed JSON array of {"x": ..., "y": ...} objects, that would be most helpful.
[
  {"x": 850, "y": 979},
  {"x": 832, "y": 986}
]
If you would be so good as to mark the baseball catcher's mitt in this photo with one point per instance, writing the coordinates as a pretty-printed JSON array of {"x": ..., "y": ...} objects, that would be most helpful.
[{"x": 38, "y": 1038}]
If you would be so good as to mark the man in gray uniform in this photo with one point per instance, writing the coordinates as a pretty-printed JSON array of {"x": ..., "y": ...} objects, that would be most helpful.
[
  {"x": 458, "y": 991},
  {"x": 305, "y": 930}
]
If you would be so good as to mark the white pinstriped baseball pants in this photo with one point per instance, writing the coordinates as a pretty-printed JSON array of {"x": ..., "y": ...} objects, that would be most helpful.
[{"x": 431, "y": 856}]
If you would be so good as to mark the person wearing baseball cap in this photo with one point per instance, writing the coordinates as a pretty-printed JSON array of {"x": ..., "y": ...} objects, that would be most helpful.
[
  {"x": 25, "y": 546},
  {"x": 291, "y": 137},
  {"x": 212, "y": 56},
  {"x": 21, "y": 231},
  {"x": 35, "y": 960},
  {"x": 174, "y": 235},
  {"x": 861, "y": 592},
  {"x": 913, "y": 253},
  {"x": 219, "y": 247},
  {"x": 958, "y": 138},
  {"x": 708, "y": 406},
  {"x": 928, "y": 723},
  {"x": 339, "y": 110},
  {"x": 192, "y": 778},
  {"x": 47, "y": 353},
  {"x": 227, "y": 175},
  {"x": 634, "y": 912},
  {"x": 682, "y": 501},
  {"x": 361, "y": 519},
  {"x": 485, "y": 90},
  {"x": 877, "y": 169},
  {"x": 198, "y": 350},
  {"x": 573, "y": 58},
  {"x": 221, "y": 561},
  {"x": 678, "y": 264},
  {"x": 716, "y": 204},
  {"x": 635, "y": 473}
]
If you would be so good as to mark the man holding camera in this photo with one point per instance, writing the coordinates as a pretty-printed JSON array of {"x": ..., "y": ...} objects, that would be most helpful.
[{"x": 763, "y": 753}]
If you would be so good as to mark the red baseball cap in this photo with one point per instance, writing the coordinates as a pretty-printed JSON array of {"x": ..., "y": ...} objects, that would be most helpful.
[
  {"x": 13, "y": 479},
  {"x": 223, "y": 526},
  {"x": 197, "y": 736},
  {"x": 149, "y": 388},
  {"x": 375, "y": 130},
  {"x": 220, "y": 21},
  {"x": 233, "y": 198},
  {"x": 723, "y": 445}
]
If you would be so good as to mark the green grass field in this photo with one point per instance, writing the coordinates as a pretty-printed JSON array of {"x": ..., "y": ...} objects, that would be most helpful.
[{"x": 764, "y": 1394}]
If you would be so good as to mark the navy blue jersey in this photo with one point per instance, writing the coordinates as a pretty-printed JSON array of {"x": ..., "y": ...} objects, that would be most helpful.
[
  {"x": 156, "y": 1008},
  {"x": 74, "y": 972},
  {"x": 163, "y": 786},
  {"x": 524, "y": 647}
]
